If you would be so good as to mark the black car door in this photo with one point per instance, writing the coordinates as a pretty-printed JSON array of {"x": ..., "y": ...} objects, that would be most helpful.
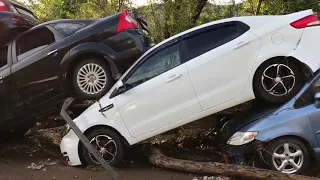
[
  {"x": 9, "y": 98},
  {"x": 37, "y": 55}
]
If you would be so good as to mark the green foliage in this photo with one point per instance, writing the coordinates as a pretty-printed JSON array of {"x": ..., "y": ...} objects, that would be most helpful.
[
  {"x": 47, "y": 10},
  {"x": 167, "y": 17},
  {"x": 276, "y": 7}
]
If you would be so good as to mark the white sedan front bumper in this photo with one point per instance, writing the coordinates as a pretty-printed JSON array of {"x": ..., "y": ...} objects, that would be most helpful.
[{"x": 69, "y": 148}]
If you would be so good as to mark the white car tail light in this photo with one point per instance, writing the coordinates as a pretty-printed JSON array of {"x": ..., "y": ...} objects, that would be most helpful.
[
  {"x": 126, "y": 22},
  {"x": 3, "y": 6},
  {"x": 308, "y": 21}
]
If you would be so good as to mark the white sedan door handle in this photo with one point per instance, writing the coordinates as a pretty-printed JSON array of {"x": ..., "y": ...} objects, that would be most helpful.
[
  {"x": 173, "y": 77},
  {"x": 241, "y": 44}
]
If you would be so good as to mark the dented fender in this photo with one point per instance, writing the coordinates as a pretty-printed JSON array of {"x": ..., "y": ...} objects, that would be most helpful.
[{"x": 307, "y": 50}]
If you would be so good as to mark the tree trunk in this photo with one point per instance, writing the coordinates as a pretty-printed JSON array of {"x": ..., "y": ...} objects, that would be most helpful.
[
  {"x": 222, "y": 169},
  {"x": 166, "y": 28},
  {"x": 120, "y": 4},
  {"x": 259, "y": 7},
  {"x": 197, "y": 11}
]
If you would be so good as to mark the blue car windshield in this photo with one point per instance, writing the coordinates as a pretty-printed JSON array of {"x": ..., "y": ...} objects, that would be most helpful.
[{"x": 307, "y": 97}]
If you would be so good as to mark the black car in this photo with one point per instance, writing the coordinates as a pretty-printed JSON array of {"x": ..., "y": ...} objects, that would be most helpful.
[
  {"x": 61, "y": 58},
  {"x": 14, "y": 19}
]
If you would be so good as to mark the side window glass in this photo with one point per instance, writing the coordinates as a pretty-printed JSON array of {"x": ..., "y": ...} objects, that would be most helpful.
[
  {"x": 211, "y": 39},
  {"x": 68, "y": 28},
  {"x": 3, "y": 56},
  {"x": 33, "y": 42},
  {"x": 307, "y": 98},
  {"x": 155, "y": 65}
]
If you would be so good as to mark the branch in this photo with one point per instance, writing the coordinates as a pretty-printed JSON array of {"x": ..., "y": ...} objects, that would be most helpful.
[
  {"x": 259, "y": 7},
  {"x": 198, "y": 10},
  {"x": 120, "y": 4},
  {"x": 215, "y": 168}
]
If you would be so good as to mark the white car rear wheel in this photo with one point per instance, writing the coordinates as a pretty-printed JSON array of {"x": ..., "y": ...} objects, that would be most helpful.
[{"x": 277, "y": 80}]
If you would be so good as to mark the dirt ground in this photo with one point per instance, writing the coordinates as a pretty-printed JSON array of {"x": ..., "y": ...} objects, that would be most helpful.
[{"x": 37, "y": 157}]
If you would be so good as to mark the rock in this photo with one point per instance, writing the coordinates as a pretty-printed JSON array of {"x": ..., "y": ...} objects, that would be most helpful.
[
  {"x": 44, "y": 169},
  {"x": 40, "y": 166},
  {"x": 34, "y": 166},
  {"x": 51, "y": 164}
]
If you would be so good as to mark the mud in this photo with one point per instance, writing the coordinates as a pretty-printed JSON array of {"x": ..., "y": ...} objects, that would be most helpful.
[{"x": 37, "y": 157}]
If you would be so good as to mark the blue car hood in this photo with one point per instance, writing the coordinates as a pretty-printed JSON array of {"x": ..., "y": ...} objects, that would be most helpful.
[{"x": 256, "y": 112}]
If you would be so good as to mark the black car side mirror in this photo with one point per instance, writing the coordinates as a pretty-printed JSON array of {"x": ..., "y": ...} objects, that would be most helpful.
[{"x": 317, "y": 100}]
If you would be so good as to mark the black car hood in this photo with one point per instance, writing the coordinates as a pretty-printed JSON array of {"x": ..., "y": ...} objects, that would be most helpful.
[{"x": 257, "y": 111}]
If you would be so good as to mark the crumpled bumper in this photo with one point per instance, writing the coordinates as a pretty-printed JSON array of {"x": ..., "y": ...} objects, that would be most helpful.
[
  {"x": 69, "y": 148},
  {"x": 243, "y": 154}
]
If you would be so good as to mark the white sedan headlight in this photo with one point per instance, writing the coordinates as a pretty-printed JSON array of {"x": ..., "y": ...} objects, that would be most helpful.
[{"x": 241, "y": 138}]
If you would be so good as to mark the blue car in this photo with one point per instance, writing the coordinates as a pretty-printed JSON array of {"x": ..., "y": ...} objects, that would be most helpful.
[{"x": 286, "y": 136}]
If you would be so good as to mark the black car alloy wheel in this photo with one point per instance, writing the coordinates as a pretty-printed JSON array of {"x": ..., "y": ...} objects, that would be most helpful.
[{"x": 92, "y": 78}]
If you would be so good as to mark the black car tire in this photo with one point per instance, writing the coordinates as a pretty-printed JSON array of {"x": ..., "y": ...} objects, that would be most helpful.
[
  {"x": 103, "y": 65},
  {"x": 85, "y": 157},
  {"x": 262, "y": 93},
  {"x": 292, "y": 142}
]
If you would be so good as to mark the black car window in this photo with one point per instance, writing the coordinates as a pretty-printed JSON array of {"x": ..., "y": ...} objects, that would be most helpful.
[
  {"x": 33, "y": 42},
  {"x": 211, "y": 39},
  {"x": 307, "y": 97},
  {"x": 3, "y": 56},
  {"x": 68, "y": 28},
  {"x": 155, "y": 65}
]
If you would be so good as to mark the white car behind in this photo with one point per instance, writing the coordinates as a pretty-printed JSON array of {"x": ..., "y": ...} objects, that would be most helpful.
[{"x": 197, "y": 73}]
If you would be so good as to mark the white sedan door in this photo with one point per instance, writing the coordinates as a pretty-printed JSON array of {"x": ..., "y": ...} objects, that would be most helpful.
[
  {"x": 221, "y": 58},
  {"x": 160, "y": 93}
]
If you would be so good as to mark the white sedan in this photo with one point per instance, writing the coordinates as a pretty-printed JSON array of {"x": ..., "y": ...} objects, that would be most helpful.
[{"x": 197, "y": 73}]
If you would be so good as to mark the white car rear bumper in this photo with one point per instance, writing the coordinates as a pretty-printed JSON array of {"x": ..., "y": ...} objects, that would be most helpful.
[{"x": 69, "y": 148}]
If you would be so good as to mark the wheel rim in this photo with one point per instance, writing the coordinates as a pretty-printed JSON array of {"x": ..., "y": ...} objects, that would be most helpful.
[
  {"x": 91, "y": 78},
  {"x": 106, "y": 146},
  {"x": 288, "y": 158},
  {"x": 278, "y": 79}
]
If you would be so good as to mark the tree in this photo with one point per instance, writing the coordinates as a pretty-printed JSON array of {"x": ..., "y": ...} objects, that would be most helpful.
[
  {"x": 277, "y": 7},
  {"x": 166, "y": 18},
  {"x": 47, "y": 10},
  {"x": 169, "y": 17}
]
